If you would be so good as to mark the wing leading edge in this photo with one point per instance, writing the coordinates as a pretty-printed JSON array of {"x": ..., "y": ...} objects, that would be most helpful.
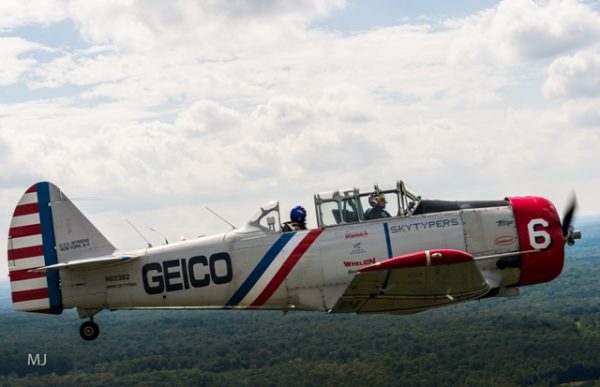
[{"x": 413, "y": 282}]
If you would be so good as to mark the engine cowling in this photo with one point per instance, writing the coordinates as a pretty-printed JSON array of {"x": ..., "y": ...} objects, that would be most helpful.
[{"x": 539, "y": 228}]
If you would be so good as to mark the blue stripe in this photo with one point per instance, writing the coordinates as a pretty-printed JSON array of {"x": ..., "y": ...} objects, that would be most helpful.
[
  {"x": 50, "y": 258},
  {"x": 388, "y": 242},
  {"x": 260, "y": 269}
]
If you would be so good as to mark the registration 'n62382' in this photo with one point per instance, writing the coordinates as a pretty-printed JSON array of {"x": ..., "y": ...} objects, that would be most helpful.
[{"x": 179, "y": 274}]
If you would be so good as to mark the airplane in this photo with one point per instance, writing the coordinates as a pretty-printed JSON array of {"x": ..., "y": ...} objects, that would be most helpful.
[{"x": 421, "y": 254}]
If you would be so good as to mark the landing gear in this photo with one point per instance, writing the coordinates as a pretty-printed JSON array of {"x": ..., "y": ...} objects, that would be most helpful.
[{"x": 89, "y": 330}]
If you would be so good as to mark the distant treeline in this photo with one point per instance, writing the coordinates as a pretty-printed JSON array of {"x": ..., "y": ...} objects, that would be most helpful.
[{"x": 549, "y": 335}]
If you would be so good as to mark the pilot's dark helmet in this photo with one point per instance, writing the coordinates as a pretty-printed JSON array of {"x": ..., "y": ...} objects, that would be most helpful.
[
  {"x": 298, "y": 214},
  {"x": 377, "y": 200}
]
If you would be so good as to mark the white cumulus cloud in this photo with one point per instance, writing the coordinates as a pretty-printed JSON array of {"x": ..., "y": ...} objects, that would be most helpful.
[
  {"x": 12, "y": 63},
  {"x": 17, "y": 13},
  {"x": 523, "y": 30},
  {"x": 584, "y": 113},
  {"x": 207, "y": 117},
  {"x": 574, "y": 76},
  {"x": 141, "y": 25}
]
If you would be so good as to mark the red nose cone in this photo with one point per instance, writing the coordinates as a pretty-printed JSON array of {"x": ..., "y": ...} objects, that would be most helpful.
[{"x": 538, "y": 227}]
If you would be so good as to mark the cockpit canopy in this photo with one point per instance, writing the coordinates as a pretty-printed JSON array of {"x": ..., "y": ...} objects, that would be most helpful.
[
  {"x": 344, "y": 206},
  {"x": 350, "y": 205}
]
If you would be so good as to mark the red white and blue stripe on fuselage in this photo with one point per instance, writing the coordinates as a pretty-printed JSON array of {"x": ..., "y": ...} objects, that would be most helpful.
[{"x": 272, "y": 269}]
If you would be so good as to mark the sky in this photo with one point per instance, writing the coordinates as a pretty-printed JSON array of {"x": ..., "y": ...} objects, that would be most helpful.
[{"x": 149, "y": 111}]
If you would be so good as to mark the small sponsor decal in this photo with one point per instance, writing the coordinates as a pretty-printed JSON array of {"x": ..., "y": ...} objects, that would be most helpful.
[
  {"x": 120, "y": 278},
  {"x": 506, "y": 240},
  {"x": 505, "y": 222},
  {"x": 357, "y": 249},
  {"x": 73, "y": 245},
  {"x": 121, "y": 285},
  {"x": 356, "y": 234},
  {"x": 368, "y": 261}
]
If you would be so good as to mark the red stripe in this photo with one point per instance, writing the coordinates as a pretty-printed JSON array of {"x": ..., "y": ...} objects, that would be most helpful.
[
  {"x": 287, "y": 266},
  {"x": 32, "y": 229},
  {"x": 26, "y": 209},
  {"x": 24, "y": 274},
  {"x": 28, "y": 295},
  {"x": 31, "y": 189},
  {"x": 26, "y": 252}
]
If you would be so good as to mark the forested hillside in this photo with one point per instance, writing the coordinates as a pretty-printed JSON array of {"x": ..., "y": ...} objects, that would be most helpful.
[{"x": 548, "y": 335}]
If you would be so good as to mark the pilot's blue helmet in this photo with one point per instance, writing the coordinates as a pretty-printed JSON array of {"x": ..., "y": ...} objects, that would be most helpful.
[{"x": 298, "y": 214}]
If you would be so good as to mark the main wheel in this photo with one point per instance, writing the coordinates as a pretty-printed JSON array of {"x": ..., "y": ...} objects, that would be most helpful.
[{"x": 89, "y": 330}]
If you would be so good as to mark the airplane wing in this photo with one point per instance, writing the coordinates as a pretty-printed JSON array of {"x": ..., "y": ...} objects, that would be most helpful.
[
  {"x": 87, "y": 263},
  {"x": 413, "y": 282}
]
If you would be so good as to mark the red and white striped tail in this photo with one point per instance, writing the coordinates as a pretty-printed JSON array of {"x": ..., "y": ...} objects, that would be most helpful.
[{"x": 31, "y": 245}]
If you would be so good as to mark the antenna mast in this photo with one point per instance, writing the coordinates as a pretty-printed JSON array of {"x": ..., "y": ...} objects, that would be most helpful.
[
  {"x": 138, "y": 231},
  {"x": 220, "y": 217}
]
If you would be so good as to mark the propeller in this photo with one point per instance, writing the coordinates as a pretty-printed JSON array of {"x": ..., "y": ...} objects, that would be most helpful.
[{"x": 569, "y": 232}]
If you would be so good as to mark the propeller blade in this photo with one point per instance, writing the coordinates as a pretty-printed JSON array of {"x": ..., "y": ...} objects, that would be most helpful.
[{"x": 569, "y": 215}]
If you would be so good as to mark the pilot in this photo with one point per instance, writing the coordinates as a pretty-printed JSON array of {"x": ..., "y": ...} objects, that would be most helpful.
[
  {"x": 297, "y": 220},
  {"x": 377, "y": 210}
]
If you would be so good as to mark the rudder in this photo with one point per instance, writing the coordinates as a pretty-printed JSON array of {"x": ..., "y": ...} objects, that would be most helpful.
[{"x": 46, "y": 228}]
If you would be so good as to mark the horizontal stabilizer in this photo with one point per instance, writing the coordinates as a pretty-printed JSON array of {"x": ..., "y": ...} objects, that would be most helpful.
[{"x": 87, "y": 263}]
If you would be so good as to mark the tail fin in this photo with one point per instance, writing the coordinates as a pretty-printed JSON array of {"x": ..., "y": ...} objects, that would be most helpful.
[{"x": 47, "y": 228}]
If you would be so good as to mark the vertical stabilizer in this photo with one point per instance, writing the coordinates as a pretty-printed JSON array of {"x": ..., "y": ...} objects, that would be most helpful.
[{"x": 46, "y": 228}]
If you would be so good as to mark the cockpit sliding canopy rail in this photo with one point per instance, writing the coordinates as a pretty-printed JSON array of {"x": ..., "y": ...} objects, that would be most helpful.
[{"x": 349, "y": 205}]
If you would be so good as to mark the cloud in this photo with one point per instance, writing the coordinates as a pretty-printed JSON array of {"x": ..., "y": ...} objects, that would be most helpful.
[
  {"x": 207, "y": 117},
  {"x": 143, "y": 25},
  {"x": 81, "y": 68},
  {"x": 333, "y": 150},
  {"x": 17, "y": 13},
  {"x": 257, "y": 160},
  {"x": 574, "y": 76},
  {"x": 14, "y": 64},
  {"x": 583, "y": 113},
  {"x": 246, "y": 69},
  {"x": 525, "y": 30},
  {"x": 284, "y": 115}
]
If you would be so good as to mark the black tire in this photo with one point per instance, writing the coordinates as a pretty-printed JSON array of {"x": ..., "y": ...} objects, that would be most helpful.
[{"x": 89, "y": 330}]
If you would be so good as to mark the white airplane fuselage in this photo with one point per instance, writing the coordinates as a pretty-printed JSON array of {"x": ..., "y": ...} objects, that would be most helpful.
[{"x": 256, "y": 268}]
